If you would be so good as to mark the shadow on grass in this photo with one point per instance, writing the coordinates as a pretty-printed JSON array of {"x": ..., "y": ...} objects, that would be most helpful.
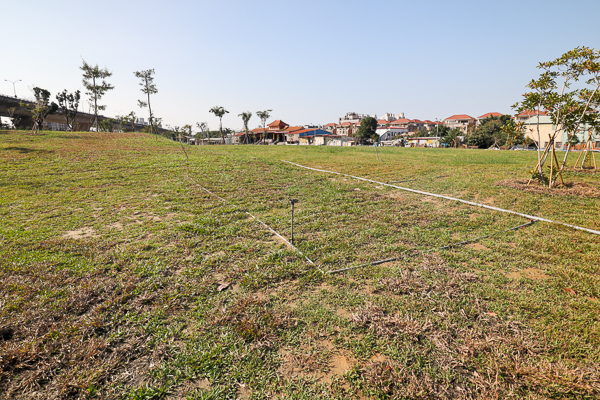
[
  {"x": 72, "y": 137},
  {"x": 26, "y": 150}
]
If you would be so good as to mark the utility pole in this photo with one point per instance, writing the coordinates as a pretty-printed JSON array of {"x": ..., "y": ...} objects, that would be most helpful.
[{"x": 13, "y": 82}]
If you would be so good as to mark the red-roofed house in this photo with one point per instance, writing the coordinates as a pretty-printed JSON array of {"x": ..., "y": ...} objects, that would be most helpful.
[
  {"x": 401, "y": 123},
  {"x": 526, "y": 114},
  {"x": 347, "y": 128},
  {"x": 275, "y": 132},
  {"x": 488, "y": 115},
  {"x": 460, "y": 121},
  {"x": 332, "y": 127},
  {"x": 277, "y": 125}
]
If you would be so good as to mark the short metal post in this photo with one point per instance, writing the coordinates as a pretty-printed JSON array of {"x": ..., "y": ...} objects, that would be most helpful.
[{"x": 293, "y": 201}]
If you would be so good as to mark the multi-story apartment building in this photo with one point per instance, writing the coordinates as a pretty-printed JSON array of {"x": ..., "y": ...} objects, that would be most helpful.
[{"x": 355, "y": 118}]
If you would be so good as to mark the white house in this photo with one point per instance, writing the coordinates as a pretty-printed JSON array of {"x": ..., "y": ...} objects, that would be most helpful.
[{"x": 386, "y": 133}]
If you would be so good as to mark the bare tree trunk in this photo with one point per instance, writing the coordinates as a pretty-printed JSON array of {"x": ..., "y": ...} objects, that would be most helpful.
[
  {"x": 221, "y": 129},
  {"x": 95, "y": 105},
  {"x": 539, "y": 139},
  {"x": 150, "y": 111}
]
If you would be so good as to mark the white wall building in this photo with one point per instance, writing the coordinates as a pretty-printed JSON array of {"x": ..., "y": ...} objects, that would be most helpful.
[{"x": 387, "y": 133}]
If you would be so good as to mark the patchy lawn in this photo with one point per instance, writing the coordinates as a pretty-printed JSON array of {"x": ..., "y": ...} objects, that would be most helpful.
[{"x": 121, "y": 277}]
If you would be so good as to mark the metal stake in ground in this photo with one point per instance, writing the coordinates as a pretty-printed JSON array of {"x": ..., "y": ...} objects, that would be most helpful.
[{"x": 292, "y": 202}]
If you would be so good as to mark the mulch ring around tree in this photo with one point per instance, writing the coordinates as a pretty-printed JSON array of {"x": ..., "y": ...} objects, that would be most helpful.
[{"x": 568, "y": 189}]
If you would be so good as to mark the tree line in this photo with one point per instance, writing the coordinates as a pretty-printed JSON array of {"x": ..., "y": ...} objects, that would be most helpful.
[{"x": 95, "y": 82}]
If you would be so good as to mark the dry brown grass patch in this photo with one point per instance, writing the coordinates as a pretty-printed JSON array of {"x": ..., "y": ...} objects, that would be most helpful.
[{"x": 580, "y": 189}]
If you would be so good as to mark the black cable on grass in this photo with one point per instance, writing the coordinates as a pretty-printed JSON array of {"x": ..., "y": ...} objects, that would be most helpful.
[
  {"x": 435, "y": 249},
  {"x": 483, "y": 237},
  {"x": 406, "y": 180}
]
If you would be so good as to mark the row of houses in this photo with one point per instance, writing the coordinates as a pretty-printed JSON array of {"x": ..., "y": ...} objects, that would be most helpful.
[
  {"x": 279, "y": 132},
  {"x": 388, "y": 127},
  {"x": 393, "y": 126}
]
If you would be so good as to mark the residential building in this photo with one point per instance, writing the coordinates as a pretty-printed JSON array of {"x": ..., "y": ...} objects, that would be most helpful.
[
  {"x": 546, "y": 130},
  {"x": 526, "y": 114},
  {"x": 347, "y": 128},
  {"x": 355, "y": 118},
  {"x": 389, "y": 117},
  {"x": 332, "y": 128},
  {"x": 400, "y": 123},
  {"x": 488, "y": 115},
  {"x": 429, "y": 141},
  {"x": 387, "y": 133}
]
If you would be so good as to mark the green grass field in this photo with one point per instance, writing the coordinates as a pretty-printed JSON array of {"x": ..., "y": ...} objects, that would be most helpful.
[{"x": 120, "y": 277}]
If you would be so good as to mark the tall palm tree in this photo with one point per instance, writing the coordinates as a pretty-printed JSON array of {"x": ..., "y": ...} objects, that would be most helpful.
[
  {"x": 246, "y": 117},
  {"x": 219, "y": 112},
  {"x": 264, "y": 116}
]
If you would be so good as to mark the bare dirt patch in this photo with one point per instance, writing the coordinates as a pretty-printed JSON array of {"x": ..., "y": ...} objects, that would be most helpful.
[
  {"x": 581, "y": 189},
  {"x": 82, "y": 233},
  {"x": 397, "y": 195},
  {"x": 116, "y": 225},
  {"x": 338, "y": 365},
  {"x": 477, "y": 246},
  {"x": 319, "y": 361},
  {"x": 279, "y": 240},
  {"x": 531, "y": 273}
]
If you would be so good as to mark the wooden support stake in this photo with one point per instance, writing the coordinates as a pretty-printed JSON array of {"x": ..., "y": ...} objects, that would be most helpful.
[
  {"x": 559, "y": 169},
  {"x": 551, "y": 169},
  {"x": 542, "y": 161}
]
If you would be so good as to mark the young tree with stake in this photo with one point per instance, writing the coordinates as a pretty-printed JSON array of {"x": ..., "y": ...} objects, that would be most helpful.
[
  {"x": 148, "y": 88},
  {"x": 568, "y": 109},
  {"x": 96, "y": 86},
  {"x": 68, "y": 103},
  {"x": 131, "y": 118},
  {"x": 41, "y": 109}
]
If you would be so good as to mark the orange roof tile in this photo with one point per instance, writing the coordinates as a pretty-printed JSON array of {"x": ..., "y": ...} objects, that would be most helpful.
[
  {"x": 459, "y": 116},
  {"x": 490, "y": 114},
  {"x": 529, "y": 112},
  {"x": 277, "y": 124}
]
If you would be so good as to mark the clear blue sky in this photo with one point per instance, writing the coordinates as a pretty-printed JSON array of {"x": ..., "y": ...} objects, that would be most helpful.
[{"x": 309, "y": 61}]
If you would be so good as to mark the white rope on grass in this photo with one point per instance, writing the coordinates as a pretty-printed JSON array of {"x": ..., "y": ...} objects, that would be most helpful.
[
  {"x": 187, "y": 165},
  {"x": 261, "y": 222},
  {"x": 532, "y": 217}
]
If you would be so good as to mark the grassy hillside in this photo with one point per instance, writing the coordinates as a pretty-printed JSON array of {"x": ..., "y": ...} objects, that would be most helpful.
[{"x": 121, "y": 277}]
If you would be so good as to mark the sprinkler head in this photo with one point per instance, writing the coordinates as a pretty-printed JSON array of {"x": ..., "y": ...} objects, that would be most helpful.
[{"x": 293, "y": 201}]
